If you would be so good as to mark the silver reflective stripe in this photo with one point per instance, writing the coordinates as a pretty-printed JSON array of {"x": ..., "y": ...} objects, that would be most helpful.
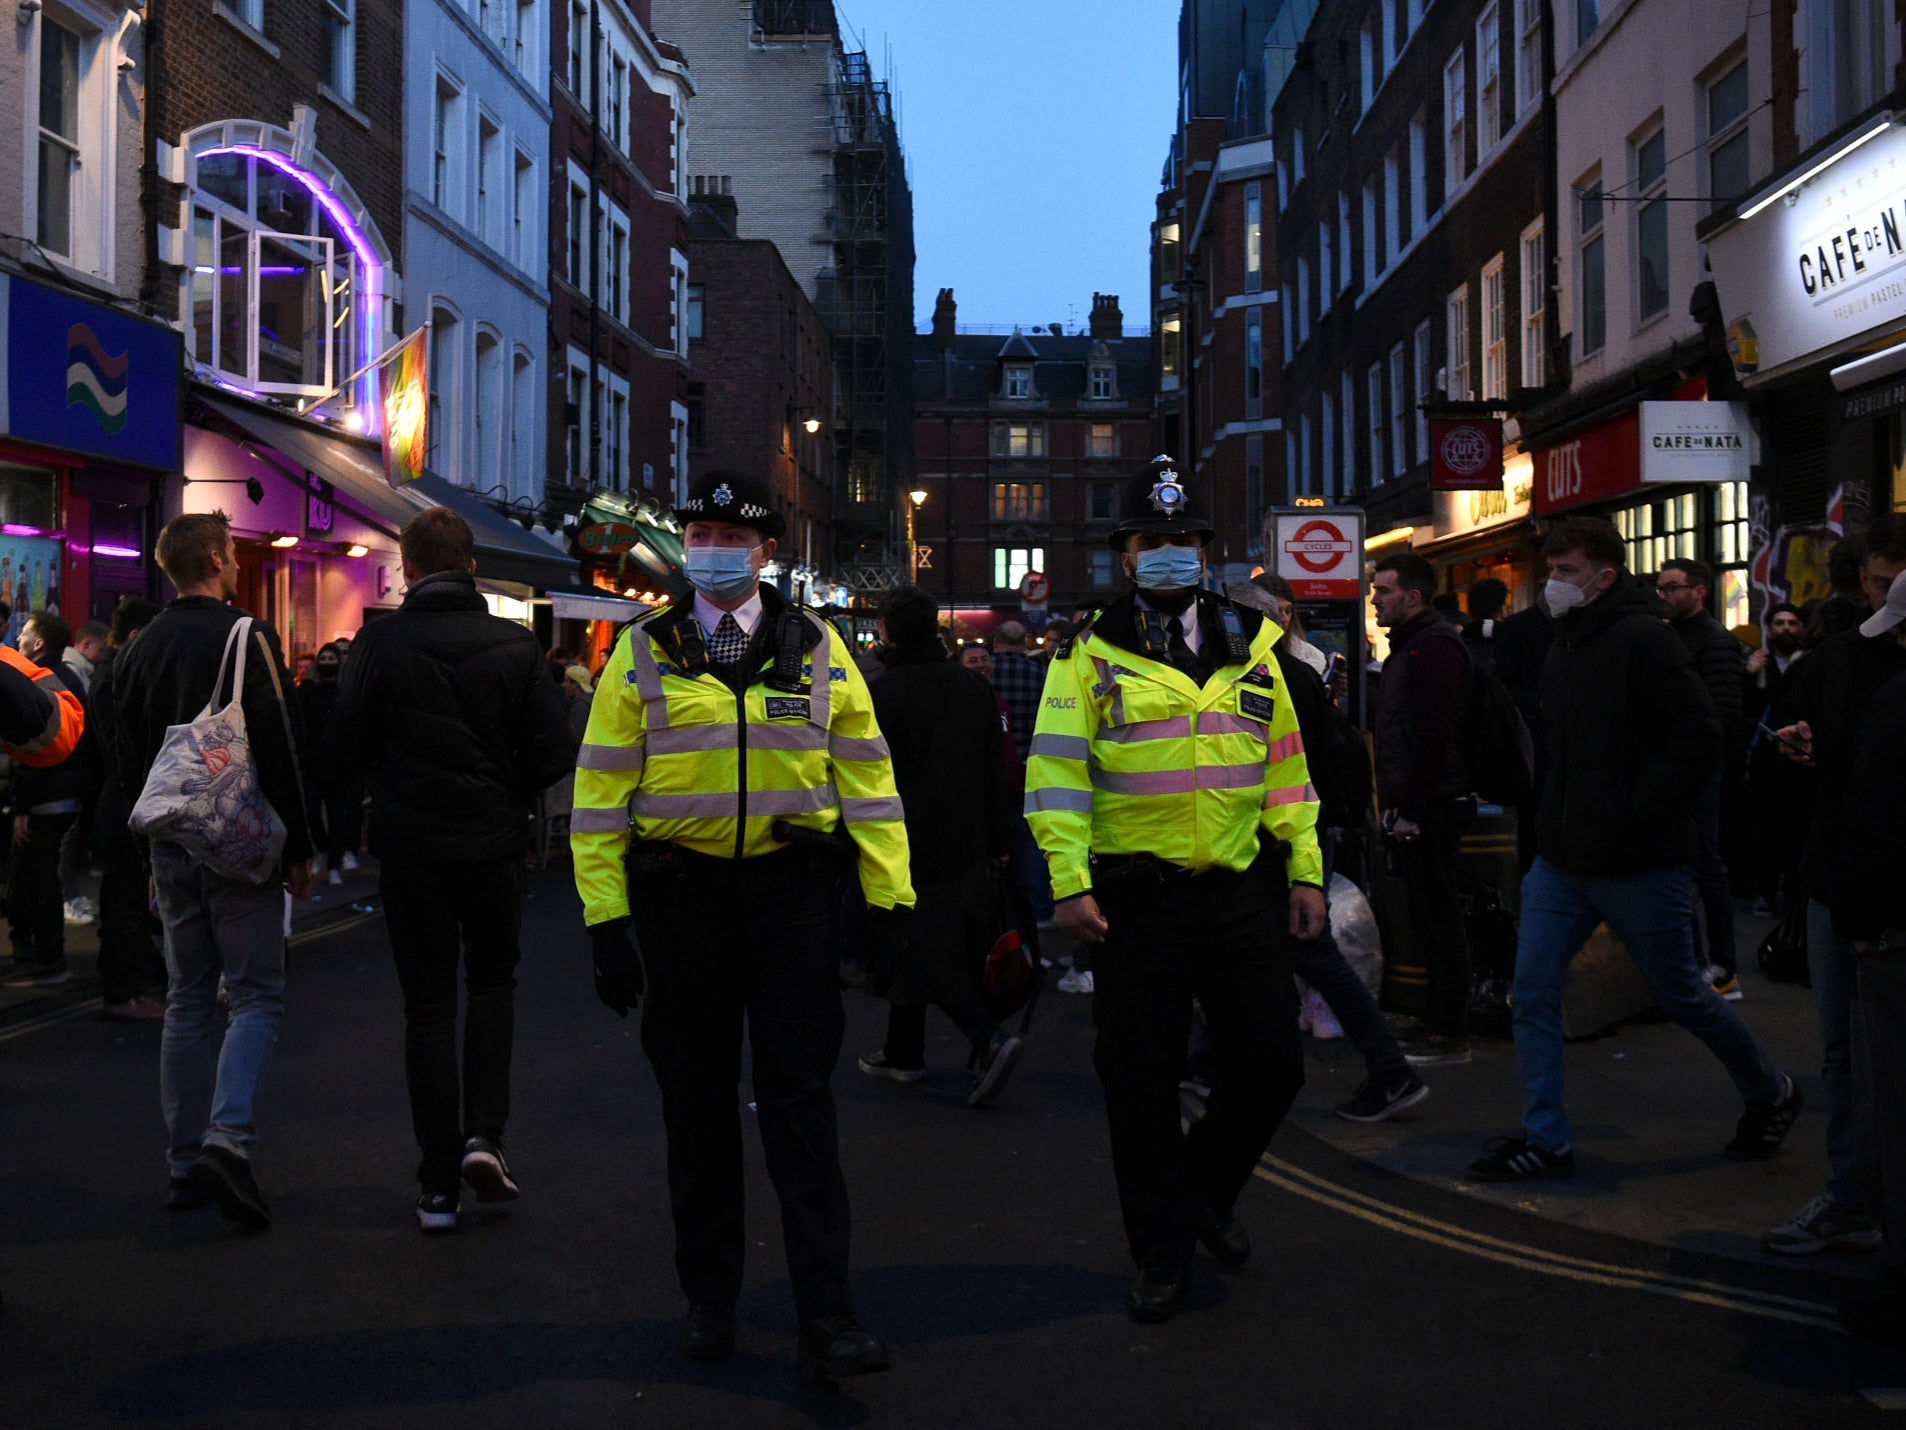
[
  {"x": 850, "y": 747},
  {"x": 648, "y": 677},
  {"x": 683, "y": 806},
  {"x": 1176, "y": 727},
  {"x": 786, "y": 737},
  {"x": 1051, "y": 799},
  {"x": 1179, "y": 781},
  {"x": 598, "y": 821},
  {"x": 795, "y": 801},
  {"x": 691, "y": 739},
  {"x": 820, "y": 707},
  {"x": 610, "y": 757},
  {"x": 1061, "y": 747},
  {"x": 859, "y": 811}
]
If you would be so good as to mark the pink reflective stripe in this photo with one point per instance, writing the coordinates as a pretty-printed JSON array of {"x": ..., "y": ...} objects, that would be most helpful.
[
  {"x": 791, "y": 801},
  {"x": 610, "y": 757},
  {"x": 683, "y": 806},
  {"x": 1177, "y": 727},
  {"x": 599, "y": 821},
  {"x": 692, "y": 739},
  {"x": 1230, "y": 776},
  {"x": 860, "y": 811},
  {"x": 820, "y": 705},
  {"x": 1290, "y": 794},
  {"x": 1219, "y": 722},
  {"x": 786, "y": 737},
  {"x": 851, "y": 747},
  {"x": 1179, "y": 781},
  {"x": 1291, "y": 744}
]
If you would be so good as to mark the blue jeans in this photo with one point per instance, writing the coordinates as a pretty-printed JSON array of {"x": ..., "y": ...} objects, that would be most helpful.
[
  {"x": 1712, "y": 879},
  {"x": 1652, "y": 912},
  {"x": 215, "y": 925},
  {"x": 1031, "y": 872},
  {"x": 1834, "y": 968}
]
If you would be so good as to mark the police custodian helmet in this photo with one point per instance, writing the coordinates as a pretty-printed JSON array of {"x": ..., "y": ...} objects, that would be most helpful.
[
  {"x": 1156, "y": 500},
  {"x": 732, "y": 497}
]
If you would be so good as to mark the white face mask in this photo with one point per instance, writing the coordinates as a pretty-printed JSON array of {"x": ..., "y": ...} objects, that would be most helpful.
[{"x": 1563, "y": 596}]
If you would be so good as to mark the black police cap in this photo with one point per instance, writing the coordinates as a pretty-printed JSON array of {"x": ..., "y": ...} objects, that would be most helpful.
[
  {"x": 732, "y": 497},
  {"x": 1157, "y": 500}
]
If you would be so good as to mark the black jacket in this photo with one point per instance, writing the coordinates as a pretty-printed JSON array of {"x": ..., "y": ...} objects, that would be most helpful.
[
  {"x": 1632, "y": 739},
  {"x": 942, "y": 725},
  {"x": 316, "y": 699},
  {"x": 1422, "y": 701},
  {"x": 450, "y": 713},
  {"x": 1722, "y": 661},
  {"x": 1334, "y": 749},
  {"x": 165, "y": 677},
  {"x": 1833, "y": 689},
  {"x": 1863, "y": 885}
]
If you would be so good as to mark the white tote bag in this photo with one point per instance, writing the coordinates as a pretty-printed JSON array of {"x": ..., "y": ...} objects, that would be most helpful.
[{"x": 203, "y": 792}]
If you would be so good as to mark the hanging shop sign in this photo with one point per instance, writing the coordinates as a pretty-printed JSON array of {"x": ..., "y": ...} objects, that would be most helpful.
[
  {"x": 1320, "y": 555},
  {"x": 1465, "y": 454},
  {"x": 608, "y": 538},
  {"x": 81, "y": 377},
  {"x": 1697, "y": 442},
  {"x": 1821, "y": 266}
]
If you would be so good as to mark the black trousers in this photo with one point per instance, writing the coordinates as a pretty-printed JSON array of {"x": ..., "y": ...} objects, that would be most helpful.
[
  {"x": 1433, "y": 879},
  {"x": 1219, "y": 938},
  {"x": 36, "y": 908},
  {"x": 906, "y": 1045},
  {"x": 440, "y": 917},
  {"x": 130, "y": 964},
  {"x": 339, "y": 806},
  {"x": 748, "y": 941}
]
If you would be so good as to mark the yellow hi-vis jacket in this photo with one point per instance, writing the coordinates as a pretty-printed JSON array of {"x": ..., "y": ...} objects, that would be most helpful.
[
  {"x": 683, "y": 759},
  {"x": 1130, "y": 757}
]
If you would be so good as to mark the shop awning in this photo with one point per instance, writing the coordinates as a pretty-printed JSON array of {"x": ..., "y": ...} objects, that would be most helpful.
[
  {"x": 353, "y": 465},
  {"x": 658, "y": 551},
  {"x": 579, "y": 605},
  {"x": 505, "y": 552}
]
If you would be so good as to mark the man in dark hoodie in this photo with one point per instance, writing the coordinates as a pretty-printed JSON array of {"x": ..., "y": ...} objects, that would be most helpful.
[
  {"x": 1633, "y": 740},
  {"x": 451, "y": 713}
]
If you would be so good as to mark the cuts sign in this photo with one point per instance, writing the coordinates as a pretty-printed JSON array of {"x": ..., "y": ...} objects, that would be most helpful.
[
  {"x": 1465, "y": 454},
  {"x": 1320, "y": 555}
]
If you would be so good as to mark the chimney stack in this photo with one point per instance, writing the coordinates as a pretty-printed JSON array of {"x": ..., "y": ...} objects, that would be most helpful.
[
  {"x": 945, "y": 310},
  {"x": 1108, "y": 323}
]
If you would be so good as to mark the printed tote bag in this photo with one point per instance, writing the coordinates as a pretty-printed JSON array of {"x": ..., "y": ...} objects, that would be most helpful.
[{"x": 203, "y": 792}]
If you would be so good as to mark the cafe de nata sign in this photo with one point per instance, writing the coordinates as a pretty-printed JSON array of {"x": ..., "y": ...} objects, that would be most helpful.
[{"x": 1810, "y": 273}]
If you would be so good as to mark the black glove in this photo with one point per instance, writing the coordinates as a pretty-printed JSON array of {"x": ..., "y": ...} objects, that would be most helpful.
[
  {"x": 886, "y": 941},
  {"x": 618, "y": 965}
]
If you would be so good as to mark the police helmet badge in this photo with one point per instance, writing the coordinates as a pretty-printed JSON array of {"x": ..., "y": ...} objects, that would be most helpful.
[
  {"x": 723, "y": 494},
  {"x": 1168, "y": 493}
]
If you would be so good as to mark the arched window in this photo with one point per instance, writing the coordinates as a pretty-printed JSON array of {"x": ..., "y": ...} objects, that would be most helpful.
[
  {"x": 492, "y": 413},
  {"x": 444, "y": 378},
  {"x": 523, "y": 424}
]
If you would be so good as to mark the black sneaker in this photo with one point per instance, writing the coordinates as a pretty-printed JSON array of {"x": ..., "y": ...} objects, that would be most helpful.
[
  {"x": 1436, "y": 1050},
  {"x": 1376, "y": 1101},
  {"x": 875, "y": 1064},
  {"x": 225, "y": 1176},
  {"x": 1765, "y": 1125},
  {"x": 996, "y": 1065},
  {"x": 437, "y": 1213},
  {"x": 487, "y": 1172},
  {"x": 836, "y": 1346},
  {"x": 1516, "y": 1159},
  {"x": 182, "y": 1196}
]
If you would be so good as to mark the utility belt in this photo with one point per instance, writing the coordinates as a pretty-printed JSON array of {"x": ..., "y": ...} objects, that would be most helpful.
[
  {"x": 804, "y": 853},
  {"x": 1132, "y": 868}
]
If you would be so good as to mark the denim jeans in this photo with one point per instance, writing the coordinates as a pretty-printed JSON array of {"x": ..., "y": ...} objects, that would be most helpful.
[
  {"x": 1835, "y": 971},
  {"x": 1711, "y": 878},
  {"x": 1652, "y": 912},
  {"x": 1030, "y": 870},
  {"x": 216, "y": 925}
]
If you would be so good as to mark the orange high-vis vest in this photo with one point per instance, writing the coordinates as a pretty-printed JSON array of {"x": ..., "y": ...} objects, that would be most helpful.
[{"x": 65, "y": 723}]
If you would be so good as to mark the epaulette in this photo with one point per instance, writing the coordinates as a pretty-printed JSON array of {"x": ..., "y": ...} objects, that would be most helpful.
[{"x": 1073, "y": 637}]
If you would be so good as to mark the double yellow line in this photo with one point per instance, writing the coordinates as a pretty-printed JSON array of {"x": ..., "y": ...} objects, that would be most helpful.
[{"x": 1320, "y": 1190}]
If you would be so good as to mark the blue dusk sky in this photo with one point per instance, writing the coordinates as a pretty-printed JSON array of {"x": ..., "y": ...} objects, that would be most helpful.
[{"x": 1035, "y": 131}]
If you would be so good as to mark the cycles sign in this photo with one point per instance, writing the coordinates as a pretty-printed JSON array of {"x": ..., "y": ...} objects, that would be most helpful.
[{"x": 1321, "y": 555}]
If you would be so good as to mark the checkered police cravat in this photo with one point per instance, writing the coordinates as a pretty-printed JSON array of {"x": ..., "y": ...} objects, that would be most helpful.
[{"x": 729, "y": 642}]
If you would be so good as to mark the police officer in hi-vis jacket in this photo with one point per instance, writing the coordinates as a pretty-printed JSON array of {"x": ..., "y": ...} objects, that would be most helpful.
[
  {"x": 1168, "y": 789},
  {"x": 730, "y": 773}
]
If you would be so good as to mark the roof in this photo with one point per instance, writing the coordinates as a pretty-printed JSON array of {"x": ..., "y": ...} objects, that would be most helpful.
[{"x": 970, "y": 370}]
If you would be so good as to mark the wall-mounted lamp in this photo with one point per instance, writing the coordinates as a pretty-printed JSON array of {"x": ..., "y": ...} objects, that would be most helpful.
[
  {"x": 254, "y": 488},
  {"x": 28, "y": 9},
  {"x": 351, "y": 548},
  {"x": 813, "y": 425},
  {"x": 917, "y": 496},
  {"x": 283, "y": 540}
]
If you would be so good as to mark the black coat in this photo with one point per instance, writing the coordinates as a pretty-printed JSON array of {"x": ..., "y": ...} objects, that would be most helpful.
[
  {"x": 1722, "y": 661},
  {"x": 165, "y": 677},
  {"x": 1833, "y": 689},
  {"x": 943, "y": 727},
  {"x": 1632, "y": 739},
  {"x": 1863, "y": 885},
  {"x": 450, "y": 713}
]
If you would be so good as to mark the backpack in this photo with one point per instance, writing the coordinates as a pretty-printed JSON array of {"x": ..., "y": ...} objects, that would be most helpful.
[
  {"x": 1007, "y": 971},
  {"x": 1498, "y": 752}
]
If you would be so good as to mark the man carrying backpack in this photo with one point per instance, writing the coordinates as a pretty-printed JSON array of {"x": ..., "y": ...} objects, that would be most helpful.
[{"x": 1423, "y": 788}]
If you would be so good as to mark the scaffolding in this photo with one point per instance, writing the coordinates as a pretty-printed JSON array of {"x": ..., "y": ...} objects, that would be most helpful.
[{"x": 865, "y": 298}]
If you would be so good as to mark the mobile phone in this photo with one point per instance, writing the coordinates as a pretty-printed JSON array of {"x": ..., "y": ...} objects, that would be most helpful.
[
  {"x": 1333, "y": 667},
  {"x": 1775, "y": 735}
]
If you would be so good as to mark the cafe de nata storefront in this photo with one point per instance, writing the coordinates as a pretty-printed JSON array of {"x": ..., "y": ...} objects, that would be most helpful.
[{"x": 1811, "y": 276}]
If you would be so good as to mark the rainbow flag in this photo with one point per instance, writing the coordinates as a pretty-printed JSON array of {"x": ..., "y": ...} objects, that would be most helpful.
[{"x": 403, "y": 387}]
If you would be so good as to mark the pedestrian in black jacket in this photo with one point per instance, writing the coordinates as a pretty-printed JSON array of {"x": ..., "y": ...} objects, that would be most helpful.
[
  {"x": 1633, "y": 740},
  {"x": 451, "y": 714},
  {"x": 1683, "y": 586},
  {"x": 334, "y": 796},
  {"x": 215, "y": 927},
  {"x": 942, "y": 726}
]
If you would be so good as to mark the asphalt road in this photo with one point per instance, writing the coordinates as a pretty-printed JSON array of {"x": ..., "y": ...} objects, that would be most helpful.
[{"x": 987, "y": 1251}]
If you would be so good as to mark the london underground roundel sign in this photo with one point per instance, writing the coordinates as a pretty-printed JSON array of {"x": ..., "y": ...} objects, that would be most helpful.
[{"x": 1321, "y": 556}]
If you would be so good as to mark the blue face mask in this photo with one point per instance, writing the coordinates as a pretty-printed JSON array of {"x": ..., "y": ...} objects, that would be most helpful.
[
  {"x": 720, "y": 572},
  {"x": 1169, "y": 568}
]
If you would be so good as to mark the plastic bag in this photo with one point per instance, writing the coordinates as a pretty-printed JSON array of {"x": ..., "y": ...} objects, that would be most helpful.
[{"x": 1354, "y": 925}]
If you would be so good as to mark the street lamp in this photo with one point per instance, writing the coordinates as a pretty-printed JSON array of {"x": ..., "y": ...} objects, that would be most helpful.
[{"x": 915, "y": 500}]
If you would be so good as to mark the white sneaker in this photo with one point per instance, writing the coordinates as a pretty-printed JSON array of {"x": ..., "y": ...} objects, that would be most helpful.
[
  {"x": 80, "y": 911},
  {"x": 1323, "y": 1023},
  {"x": 334, "y": 877},
  {"x": 1076, "y": 982},
  {"x": 348, "y": 862}
]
